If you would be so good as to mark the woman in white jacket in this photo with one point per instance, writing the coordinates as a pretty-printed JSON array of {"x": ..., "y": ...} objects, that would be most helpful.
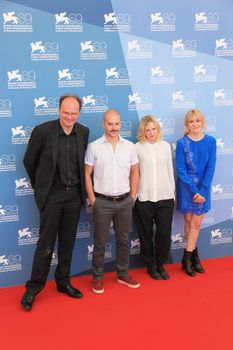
[{"x": 156, "y": 192}]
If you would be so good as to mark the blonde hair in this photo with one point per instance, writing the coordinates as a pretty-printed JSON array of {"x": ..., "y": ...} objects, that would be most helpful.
[
  {"x": 189, "y": 115},
  {"x": 142, "y": 128}
]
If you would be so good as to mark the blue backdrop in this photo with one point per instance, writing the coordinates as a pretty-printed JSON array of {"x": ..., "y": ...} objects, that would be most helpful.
[{"x": 160, "y": 58}]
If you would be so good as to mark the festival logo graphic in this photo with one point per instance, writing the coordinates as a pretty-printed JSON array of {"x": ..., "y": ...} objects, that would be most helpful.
[
  {"x": 206, "y": 21},
  {"x": 224, "y": 145},
  {"x": 93, "y": 51},
  {"x": 5, "y": 108},
  {"x": 21, "y": 80},
  {"x": 10, "y": 263},
  {"x": 211, "y": 123},
  {"x": 140, "y": 102},
  {"x": 9, "y": 213},
  {"x": 23, "y": 187},
  {"x": 183, "y": 48},
  {"x": 72, "y": 23},
  {"x": 83, "y": 230},
  {"x": 126, "y": 129},
  {"x": 117, "y": 77},
  {"x": 167, "y": 125},
  {"x": 134, "y": 246},
  {"x": 20, "y": 135},
  {"x": 223, "y": 98},
  {"x": 70, "y": 79},
  {"x": 162, "y": 22},
  {"x": 17, "y": 22},
  {"x": 28, "y": 236},
  {"x": 7, "y": 162},
  {"x": 221, "y": 192},
  {"x": 223, "y": 47},
  {"x": 183, "y": 99},
  {"x": 221, "y": 236},
  {"x": 48, "y": 51},
  {"x": 139, "y": 49},
  {"x": 95, "y": 104},
  {"x": 205, "y": 73},
  {"x": 46, "y": 106},
  {"x": 178, "y": 241},
  {"x": 162, "y": 75},
  {"x": 116, "y": 22}
]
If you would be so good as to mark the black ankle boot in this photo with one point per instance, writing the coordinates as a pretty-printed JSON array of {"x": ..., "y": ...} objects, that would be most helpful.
[
  {"x": 196, "y": 262},
  {"x": 187, "y": 263}
]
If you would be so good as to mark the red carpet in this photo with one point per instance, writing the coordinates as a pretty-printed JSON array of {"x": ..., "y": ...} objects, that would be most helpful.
[{"x": 182, "y": 313}]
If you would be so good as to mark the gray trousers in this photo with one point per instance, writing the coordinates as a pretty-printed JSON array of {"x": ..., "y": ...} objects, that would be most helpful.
[{"x": 105, "y": 211}]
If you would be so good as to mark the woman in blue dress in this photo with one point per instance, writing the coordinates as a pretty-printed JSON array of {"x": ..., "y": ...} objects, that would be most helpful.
[{"x": 195, "y": 163}]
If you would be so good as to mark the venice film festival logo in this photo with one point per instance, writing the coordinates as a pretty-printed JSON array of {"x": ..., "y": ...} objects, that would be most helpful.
[
  {"x": 10, "y": 263},
  {"x": 126, "y": 128},
  {"x": 206, "y": 21},
  {"x": 95, "y": 104},
  {"x": 220, "y": 192},
  {"x": 9, "y": 213},
  {"x": 23, "y": 187},
  {"x": 44, "y": 52},
  {"x": 221, "y": 236},
  {"x": 224, "y": 145},
  {"x": 116, "y": 22},
  {"x": 5, "y": 108},
  {"x": 83, "y": 230},
  {"x": 223, "y": 47},
  {"x": 7, "y": 162},
  {"x": 140, "y": 102},
  {"x": 117, "y": 77},
  {"x": 178, "y": 241},
  {"x": 205, "y": 73},
  {"x": 21, "y": 80},
  {"x": 223, "y": 98},
  {"x": 162, "y": 22},
  {"x": 20, "y": 22},
  {"x": 69, "y": 23},
  {"x": 183, "y": 99},
  {"x": 167, "y": 125},
  {"x": 95, "y": 51},
  {"x": 184, "y": 48},
  {"x": 139, "y": 49},
  {"x": 162, "y": 75},
  {"x": 209, "y": 217},
  {"x": 107, "y": 254},
  {"x": 20, "y": 136},
  {"x": 71, "y": 79},
  {"x": 46, "y": 106},
  {"x": 211, "y": 123},
  {"x": 134, "y": 246},
  {"x": 28, "y": 236}
]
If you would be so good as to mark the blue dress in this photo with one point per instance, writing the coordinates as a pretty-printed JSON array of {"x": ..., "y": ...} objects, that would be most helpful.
[{"x": 195, "y": 163}]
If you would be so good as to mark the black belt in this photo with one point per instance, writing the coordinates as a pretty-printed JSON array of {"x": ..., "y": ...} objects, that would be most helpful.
[{"x": 112, "y": 198}]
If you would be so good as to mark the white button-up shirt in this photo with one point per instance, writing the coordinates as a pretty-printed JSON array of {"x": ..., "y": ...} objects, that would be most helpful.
[
  {"x": 156, "y": 171},
  {"x": 111, "y": 168}
]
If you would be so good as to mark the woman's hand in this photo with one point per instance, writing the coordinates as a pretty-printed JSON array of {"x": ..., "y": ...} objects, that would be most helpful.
[{"x": 198, "y": 198}]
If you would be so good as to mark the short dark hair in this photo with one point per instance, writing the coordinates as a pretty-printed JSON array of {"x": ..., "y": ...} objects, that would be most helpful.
[{"x": 63, "y": 97}]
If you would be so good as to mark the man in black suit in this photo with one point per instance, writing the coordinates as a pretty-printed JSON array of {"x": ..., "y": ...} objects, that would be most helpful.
[{"x": 54, "y": 161}]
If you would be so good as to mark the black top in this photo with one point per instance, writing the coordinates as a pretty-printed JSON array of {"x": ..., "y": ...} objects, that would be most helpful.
[{"x": 67, "y": 169}]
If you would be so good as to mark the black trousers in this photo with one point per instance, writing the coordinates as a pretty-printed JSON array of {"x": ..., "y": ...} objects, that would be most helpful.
[
  {"x": 59, "y": 218},
  {"x": 154, "y": 248}
]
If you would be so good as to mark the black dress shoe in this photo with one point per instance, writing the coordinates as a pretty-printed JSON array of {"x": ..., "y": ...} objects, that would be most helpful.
[
  {"x": 69, "y": 290},
  {"x": 163, "y": 273},
  {"x": 27, "y": 301},
  {"x": 153, "y": 273}
]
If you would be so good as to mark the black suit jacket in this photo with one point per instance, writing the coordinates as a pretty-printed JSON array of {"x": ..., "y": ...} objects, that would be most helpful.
[{"x": 40, "y": 158}]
